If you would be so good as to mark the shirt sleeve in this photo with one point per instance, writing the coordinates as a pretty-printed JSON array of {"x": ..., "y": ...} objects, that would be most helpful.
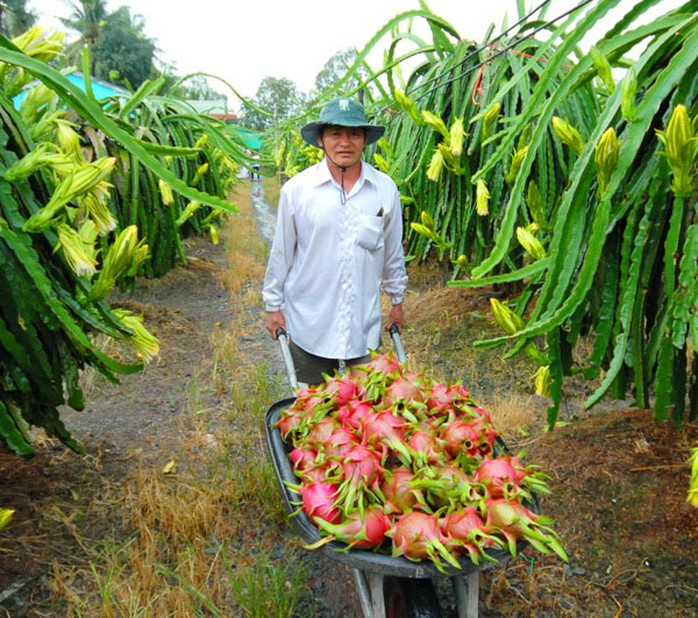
[
  {"x": 394, "y": 271},
  {"x": 280, "y": 256}
]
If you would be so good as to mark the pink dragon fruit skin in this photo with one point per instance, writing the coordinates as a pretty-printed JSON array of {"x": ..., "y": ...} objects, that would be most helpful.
[
  {"x": 318, "y": 501},
  {"x": 417, "y": 535},
  {"x": 399, "y": 496},
  {"x": 501, "y": 476},
  {"x": 361, "y": 530}
]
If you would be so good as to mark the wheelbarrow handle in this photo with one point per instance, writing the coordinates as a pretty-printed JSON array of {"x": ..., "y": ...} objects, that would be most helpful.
[
  {"x": 394, "y": 331},
  {"x": 282, "y": 338}
]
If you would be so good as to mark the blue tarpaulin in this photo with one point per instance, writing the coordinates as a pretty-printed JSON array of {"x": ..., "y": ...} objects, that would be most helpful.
[
  {"x": 101, "y": 89},
  {"x": 250, "y": 139}
]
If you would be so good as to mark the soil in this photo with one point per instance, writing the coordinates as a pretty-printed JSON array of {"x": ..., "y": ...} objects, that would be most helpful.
[{"x": 618, "y": 479}]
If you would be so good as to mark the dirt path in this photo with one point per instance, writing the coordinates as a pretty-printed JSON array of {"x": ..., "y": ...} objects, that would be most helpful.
[{"x": 618, "y": 480}]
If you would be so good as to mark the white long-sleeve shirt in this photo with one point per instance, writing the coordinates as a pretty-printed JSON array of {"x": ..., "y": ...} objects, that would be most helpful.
[{"x": 330, "y": 261}]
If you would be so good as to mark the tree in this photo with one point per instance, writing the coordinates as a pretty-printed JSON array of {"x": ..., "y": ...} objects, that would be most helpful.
[
  {"x": 279, "y": 97},
  {"x": 123, "y": 49},
  {"x": 87, "y": 18},
  {"x": 197, "y": 87},
  {"x": 14, "y": 17},
  {"x": 335, "y": 69}
]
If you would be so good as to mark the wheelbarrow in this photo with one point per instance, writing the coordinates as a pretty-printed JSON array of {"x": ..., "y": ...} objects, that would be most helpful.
[{"x": 388, "y": 587}]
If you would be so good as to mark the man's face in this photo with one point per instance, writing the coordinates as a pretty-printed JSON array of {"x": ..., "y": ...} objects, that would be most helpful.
[{"x": 343, "y": 145}]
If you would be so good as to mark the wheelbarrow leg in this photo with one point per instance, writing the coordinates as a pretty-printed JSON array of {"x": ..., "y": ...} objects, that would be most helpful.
[
  {"x": 467, "y": 593},
  {"x": 371, "y": 596}
]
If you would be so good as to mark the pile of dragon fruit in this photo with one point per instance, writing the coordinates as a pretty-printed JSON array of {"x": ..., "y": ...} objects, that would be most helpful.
[{"x": 392, "y": 461}]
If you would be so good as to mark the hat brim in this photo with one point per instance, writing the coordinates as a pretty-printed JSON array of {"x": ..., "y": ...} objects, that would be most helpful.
[{"x": 311, "y": 131}]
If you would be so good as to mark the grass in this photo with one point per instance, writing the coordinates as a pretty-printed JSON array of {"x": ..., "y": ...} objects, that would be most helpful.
[{"x": 186, "y": 542}]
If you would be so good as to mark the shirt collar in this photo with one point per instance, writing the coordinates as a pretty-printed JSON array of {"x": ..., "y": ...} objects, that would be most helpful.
[{"x": 323, "y": 175}]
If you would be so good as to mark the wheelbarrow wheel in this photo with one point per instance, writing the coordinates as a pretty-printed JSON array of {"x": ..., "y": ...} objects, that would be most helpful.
[{"x": 410, "y": 598}]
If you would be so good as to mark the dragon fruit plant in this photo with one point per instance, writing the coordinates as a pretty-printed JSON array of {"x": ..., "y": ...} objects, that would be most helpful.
[{"x": 389, "y": 460}]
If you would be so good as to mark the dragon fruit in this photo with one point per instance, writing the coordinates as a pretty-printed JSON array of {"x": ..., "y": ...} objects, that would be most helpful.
[
  {"x": 302, "y": 458},
  {"x": 417, "y": 535},
  {"x": 501, "y": 476},
  {"x": 445, "y": 397},
  {"x": 426, "y": 448},
  {"x": 391, "y": 461},
  {"x": 319, "y": 501},
  {"x": 340, "y": 442},
  {"x": 385, "y": 431},
  {"x": 464, "y": 530},
  {"x": 361, "y": 473},
  {"x": 515, "y": 521},
  {"x": 341, "y": 390},
  {"x": 353, "y": 413},
  {"x": 461, "y": 436},
  {"x": 398, "y": 492},
  {"x": 403, "y": 390},
  {"x": 361, "y": 530}
]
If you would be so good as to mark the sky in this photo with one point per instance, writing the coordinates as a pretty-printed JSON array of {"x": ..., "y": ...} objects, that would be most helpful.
[{"x": 245, "y": 41}]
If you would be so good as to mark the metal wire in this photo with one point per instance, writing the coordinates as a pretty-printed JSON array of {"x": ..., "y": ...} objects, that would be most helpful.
[{"x": 500, "y": 52}]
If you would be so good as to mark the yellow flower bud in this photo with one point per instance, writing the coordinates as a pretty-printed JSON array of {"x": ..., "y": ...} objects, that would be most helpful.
[
  {"x": 425, "y": 231},
  {"x": 384, "y": 145},
  {"x": 692, "y": 497},
  {"x": 603, "y": 69},
  {"x": 117, "y": 262},
  {"x": 36, "y": 97},
  {"x": 568, "y": 134},
  {"x": 408, "y": 105},
  {"x": 542, "y": 381},
  {"x": 680, "y": 148},
  {"x": 202, "y": 141},
  {"x": 381, "y": 163},
  {"x": 85, "y": 178},
  {"x": 530, "y": 243},
  {"x": 629, "y": 90},
  {"x": 188, "y": 212},
  {"x": 510, "y": 321},
  {"x": 69, "y": 140},
  {"x": 450, "y": 160},
  {"x": 140, "y": 255},
  {"x": 435, "y": 123},
  {"x": 79, "y": 254},
  {"x": 482, "y": 198},
  {"x": 457, "y": 135},
  {"x": 145, "y": 344},
  {"x": 607, "y": 157},
  {"x": 201, "y": 170},
  {"x": 28, "y": 164},
  {"x": 491, "y": 116},
  {"x": 435, "y": 165},
  {"x": 165, "y": 192},
  {"x": 5, "y": 517},
  {"x": 516, "y": 161},
  {"x": 427, "y": 220},
  {"x": 96, "y": 208}
]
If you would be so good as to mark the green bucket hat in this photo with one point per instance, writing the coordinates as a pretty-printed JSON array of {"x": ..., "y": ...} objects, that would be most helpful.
[{"x": 342, "y": 112}]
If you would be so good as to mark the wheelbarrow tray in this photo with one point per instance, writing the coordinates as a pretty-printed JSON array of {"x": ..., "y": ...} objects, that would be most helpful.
[{"x": 361, "y": 559}]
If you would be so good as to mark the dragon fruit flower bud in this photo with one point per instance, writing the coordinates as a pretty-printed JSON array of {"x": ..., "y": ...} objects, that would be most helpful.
[
  {"x": 568, "y": 134},
  {"x": 607, "y": 157},
  {"x": 482, "y": 197},
  {"x": 680, "y": 143}
]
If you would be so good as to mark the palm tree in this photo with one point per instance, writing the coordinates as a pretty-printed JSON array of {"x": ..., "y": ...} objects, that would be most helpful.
[
  {"x": 87, "y": 18},
  {"x": 14, "y": 17}
]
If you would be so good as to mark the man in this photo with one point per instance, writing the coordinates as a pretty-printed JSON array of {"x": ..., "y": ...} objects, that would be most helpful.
[{"x": 338, "y": 244}]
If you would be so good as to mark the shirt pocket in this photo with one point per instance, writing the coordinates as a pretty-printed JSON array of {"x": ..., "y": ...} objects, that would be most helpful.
[{"x": 370, "y": 232}]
